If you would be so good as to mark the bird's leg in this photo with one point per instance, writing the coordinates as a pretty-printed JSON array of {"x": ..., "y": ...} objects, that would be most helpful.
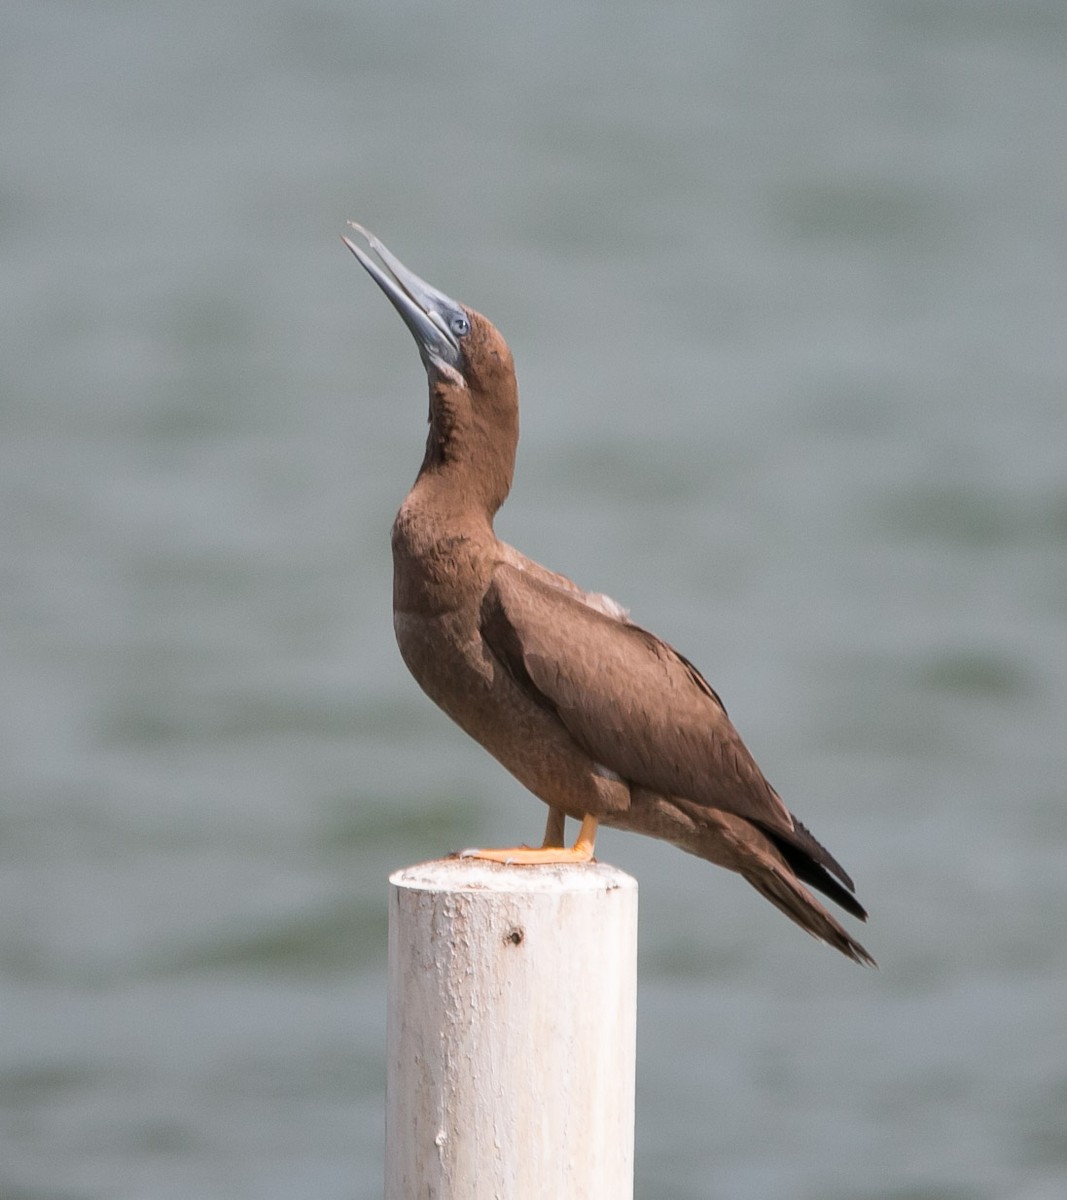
[
  {"x": 555, "y": 827},
  {"x": 580, "y": 852}
]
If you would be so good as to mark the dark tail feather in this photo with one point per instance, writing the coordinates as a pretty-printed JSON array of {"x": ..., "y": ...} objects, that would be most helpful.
[
  {"x": 805, "y": 840},
  {"x": 787, "y": 895},
  {"x": 812, "y": 862},
  {"x": 814, "y": 873}
]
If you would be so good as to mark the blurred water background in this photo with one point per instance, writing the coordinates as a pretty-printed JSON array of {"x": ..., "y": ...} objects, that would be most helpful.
[{"x": 787, "y": 289}]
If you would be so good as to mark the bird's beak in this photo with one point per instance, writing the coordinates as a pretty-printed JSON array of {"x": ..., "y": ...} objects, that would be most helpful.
[{"x": 435, "y": 321}]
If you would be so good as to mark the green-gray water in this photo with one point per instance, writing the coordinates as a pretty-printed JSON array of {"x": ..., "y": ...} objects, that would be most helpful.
[{"x": 787, "y": 289}]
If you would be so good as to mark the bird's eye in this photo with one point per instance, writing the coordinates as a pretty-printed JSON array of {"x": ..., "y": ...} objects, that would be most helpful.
[{"x": 460, "y": 325}]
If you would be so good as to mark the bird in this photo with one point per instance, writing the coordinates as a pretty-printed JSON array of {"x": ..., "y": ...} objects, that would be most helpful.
[{"x": 602, "y": 720}]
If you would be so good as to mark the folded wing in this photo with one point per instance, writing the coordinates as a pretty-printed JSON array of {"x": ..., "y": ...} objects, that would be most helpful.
[
  {"x": 628, "y": 699},
  {"x": 639, "y": 708}
]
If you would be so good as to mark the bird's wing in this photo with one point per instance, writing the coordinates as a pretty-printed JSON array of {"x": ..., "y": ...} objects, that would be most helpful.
[
  {"x": 629, "y": 700},
  {"x": 597, "y": 600}
]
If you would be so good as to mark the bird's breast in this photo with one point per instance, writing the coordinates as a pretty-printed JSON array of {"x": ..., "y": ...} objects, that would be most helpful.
[
  {"x": 447, "y": 658},
  {"x": 438, "y": 566}
]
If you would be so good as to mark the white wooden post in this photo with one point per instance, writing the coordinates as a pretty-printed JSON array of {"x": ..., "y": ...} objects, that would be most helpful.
[{"x": 512, "y": 1001}]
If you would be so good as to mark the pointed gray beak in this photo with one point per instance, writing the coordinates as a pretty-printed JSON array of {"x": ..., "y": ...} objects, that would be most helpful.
[{"x": 436, "y": 322}]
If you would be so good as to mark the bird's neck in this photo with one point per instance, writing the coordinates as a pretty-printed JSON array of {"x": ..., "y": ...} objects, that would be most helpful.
[
  {"x": 469, "y": 463},
  {"x": 444, "y": 501},
  {"x": 444, "y": 546}
]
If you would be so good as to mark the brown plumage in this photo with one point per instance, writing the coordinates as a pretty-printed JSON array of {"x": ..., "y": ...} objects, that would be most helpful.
[{"x": 599, "y": 718}]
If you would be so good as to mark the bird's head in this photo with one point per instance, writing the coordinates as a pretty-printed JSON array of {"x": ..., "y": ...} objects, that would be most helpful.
[{"x": 474, "y": 410}]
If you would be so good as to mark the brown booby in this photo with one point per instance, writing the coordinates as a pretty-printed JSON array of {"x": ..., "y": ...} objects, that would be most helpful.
[{"x": 595, "y": 715}]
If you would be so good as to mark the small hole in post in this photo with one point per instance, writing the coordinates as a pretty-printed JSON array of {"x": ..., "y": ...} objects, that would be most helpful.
[{"x": 515, "y": 936}]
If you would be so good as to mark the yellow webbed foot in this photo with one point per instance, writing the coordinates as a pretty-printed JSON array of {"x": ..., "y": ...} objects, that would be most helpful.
[{"x": 580, "y": 852}]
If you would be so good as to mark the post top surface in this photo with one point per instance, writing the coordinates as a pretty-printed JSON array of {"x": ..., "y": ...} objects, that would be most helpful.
[{"x": 477, "y": 875}]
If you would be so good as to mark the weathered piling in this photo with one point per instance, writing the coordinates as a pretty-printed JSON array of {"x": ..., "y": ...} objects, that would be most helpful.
[{"x": 511, "y": 1047}]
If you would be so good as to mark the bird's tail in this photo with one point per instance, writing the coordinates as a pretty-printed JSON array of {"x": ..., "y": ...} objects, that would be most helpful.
[{"x": 786, "y": 893}]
